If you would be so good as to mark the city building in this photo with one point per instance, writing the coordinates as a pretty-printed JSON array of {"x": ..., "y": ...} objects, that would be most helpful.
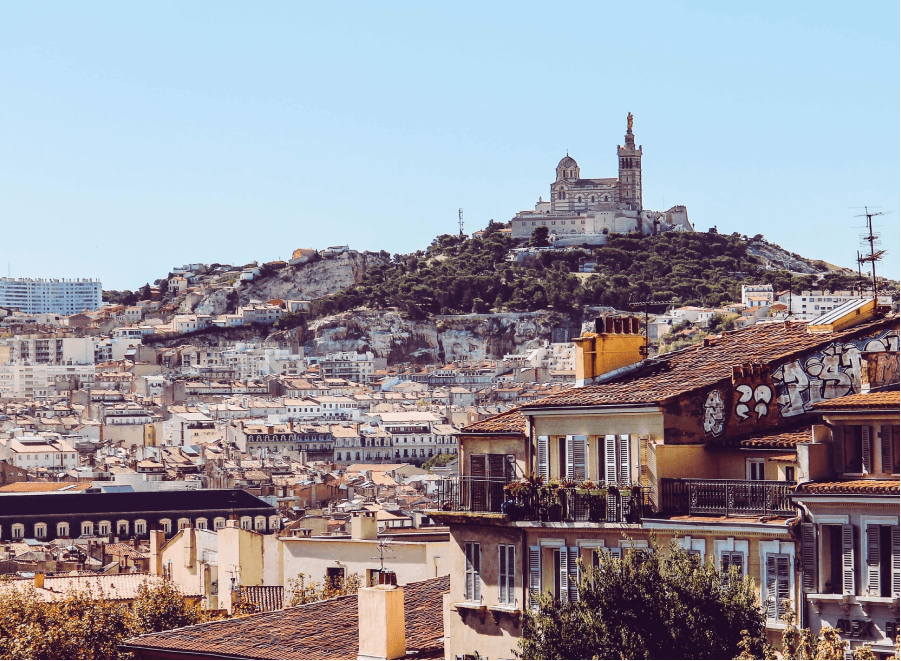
[{"x": 57, "y": 296}]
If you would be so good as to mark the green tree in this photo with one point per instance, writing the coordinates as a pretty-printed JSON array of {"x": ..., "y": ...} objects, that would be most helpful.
[
  {"x": 145, "y": 292},
  {"x": 539, "y": 238},
  {"x": 650, "y": 604}
]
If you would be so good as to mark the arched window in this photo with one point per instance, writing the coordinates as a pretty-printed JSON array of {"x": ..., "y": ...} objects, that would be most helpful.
[
  {"x": 167, "y": 525},
  {"x": 275, "y": 523},
  {"x": 122, "y": 527},
  {"x": 62, "y": 529},
  {"x": 260, "y": 524},
  {"x": 201, "y": 524},
  {"x": 592, "y": 198},
  {"x": 18, "y": 531},
  {"x": 219, "y": 523},
  {"x": 87, "y": 528},
  {"x": 40, "y": 530},
  {"x": 104, "y": 527},
  {"x": 579, "y": 199},
  {"x": 246, "y": 523},
  {"x": 140, "y": 527}
]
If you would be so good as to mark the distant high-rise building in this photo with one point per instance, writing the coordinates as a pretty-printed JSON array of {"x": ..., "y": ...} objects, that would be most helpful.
[{"x": 56, "y": 296}]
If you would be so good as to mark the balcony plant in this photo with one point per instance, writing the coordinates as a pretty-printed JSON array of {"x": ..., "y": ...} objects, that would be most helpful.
[{"x": 552, "y": 499}]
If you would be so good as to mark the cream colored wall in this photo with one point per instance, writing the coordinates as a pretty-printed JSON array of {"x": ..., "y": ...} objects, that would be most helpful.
[
  {"x": 470, "y": 445},
  {"x": 188, "y": 569},
  {"x": 686, "y": 461},
  {"x": 241, "y": 556},
  {"x": 411, "y": 561}
]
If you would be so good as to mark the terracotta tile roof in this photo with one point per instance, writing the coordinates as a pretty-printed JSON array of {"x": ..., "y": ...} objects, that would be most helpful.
[
  {"x": 788, "y": 438},
  {"x": 264, "y": 597},
  {"x": 508, "y": 422},
  {"x": 872, "y": 400},
  {"x": 36, "y": 487},
  {"x": 875, "y": 487},
  {"x": 321, "y": 630},
  {"x": 115, "y": 587},
  {"x": 665, "y": 377},
  {"x": 123, "y": 550}
]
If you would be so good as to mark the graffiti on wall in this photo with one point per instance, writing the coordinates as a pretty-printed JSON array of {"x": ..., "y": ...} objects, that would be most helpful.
[
  {"x": 714, "y": 413},
  {"x": 834, "y": 371},
  {"x": 753, "y": 401}
]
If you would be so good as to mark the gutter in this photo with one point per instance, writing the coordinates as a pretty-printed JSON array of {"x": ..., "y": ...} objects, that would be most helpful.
[{"x": 155, "y": 653}]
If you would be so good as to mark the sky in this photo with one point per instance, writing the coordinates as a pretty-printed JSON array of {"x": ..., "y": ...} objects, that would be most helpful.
[{"x": 137, "y": 137}]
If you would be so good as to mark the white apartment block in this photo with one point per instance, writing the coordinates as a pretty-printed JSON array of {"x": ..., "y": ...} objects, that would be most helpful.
[
  {"x": 49, "y": 350},
  {"x": 57, "y": 296},
  {"x": 808, "y": 305},
  {"x": 32, "y": 452},
  {"x": 355, "y": 367},
  {"x": 755, "y": 296},
  {"x": 36, "y": 381}
]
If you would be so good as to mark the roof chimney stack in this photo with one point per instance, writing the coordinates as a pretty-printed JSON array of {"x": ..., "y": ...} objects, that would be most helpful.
[{"x": 381, "y": 622}]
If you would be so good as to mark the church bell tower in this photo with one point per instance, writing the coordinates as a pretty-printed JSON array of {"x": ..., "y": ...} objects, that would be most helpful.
[{"x": 629, "y": 186}]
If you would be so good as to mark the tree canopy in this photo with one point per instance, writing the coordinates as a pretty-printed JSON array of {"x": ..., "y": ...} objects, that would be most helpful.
[{"x": 653, "y": 603}]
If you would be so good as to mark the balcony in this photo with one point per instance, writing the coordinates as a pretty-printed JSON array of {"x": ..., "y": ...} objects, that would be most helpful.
[
  {"x": 532, "y": 501},
  {"x": 726, "y": 497}
]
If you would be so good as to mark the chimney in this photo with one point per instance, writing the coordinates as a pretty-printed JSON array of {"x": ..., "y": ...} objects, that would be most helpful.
[
  {"x": 157, "y": 540},
  {"x": 381, "y": 622},
  {"x": 364, "y": 526},
  {"x": 616, "y": 343},
  {"x": 38, "y": 579}
]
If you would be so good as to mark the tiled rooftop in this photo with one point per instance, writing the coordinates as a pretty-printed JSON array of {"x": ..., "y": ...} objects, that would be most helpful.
[
  {"x": 321, "y": 630},
  {"x": 665, "y": 377},
  {"x": 872, "y": 400},
  {"x": 508, "y": 422},
  {"x": 778, "y": 439},
  {"x": 875, "y": 487}
]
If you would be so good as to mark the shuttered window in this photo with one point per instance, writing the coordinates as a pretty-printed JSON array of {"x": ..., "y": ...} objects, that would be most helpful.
[
  {"x": 809, "y": 558},
  {"x": 506, "y": 562},
  {"x": 729, "y": 559},
  {"x": 534, "y": 575},
  {"x": 847, "y": 559},
  {"x": 572, "y": 570},
  {"x": 778, "y": 567},
  {"x": 544, "y": 457},
  {"x": 889, "y": 443},
  {"x": 617, "y": 464},
  {"x": 882, "y": 574},
  {"x": 576, "y": 451},
  {"x": 562, "y": 586},
  {"x": 473, "y": 586}
]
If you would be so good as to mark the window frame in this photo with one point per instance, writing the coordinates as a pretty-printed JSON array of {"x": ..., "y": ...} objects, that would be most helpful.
[{"x": 472, "y": 584}]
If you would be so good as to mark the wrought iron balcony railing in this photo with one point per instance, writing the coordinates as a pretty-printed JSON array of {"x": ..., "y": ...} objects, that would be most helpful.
[
  {"x": 528, "y": 502},
  {"x": 726, "y": 497}
]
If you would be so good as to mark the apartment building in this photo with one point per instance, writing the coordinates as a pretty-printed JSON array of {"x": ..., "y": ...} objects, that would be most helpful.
[
  {"x": 807, "y": 305},
  {"x": 55, "y": 296},
  {"x": 707, "y": 445},
  {"x": 32, "y": 451},
  {"x": 354, "y": 367}
]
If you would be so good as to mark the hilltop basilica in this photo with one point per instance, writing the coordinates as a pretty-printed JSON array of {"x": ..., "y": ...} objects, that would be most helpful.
[{"x": 582, "y": 211}]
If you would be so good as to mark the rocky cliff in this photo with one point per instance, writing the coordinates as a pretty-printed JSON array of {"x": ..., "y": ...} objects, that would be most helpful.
[
  {"x": 444, "y": 338},
  {"x": 300, "y": 283}
]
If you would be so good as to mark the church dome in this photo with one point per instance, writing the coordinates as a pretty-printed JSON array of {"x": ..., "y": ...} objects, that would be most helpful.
[{"x": 567, "y": 162}]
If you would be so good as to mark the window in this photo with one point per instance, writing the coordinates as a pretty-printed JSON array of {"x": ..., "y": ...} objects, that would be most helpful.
[
  {"x": 62, "y": 530},
  {"x": 889, "y": 442},
  {"x": 473, "y": 585},
  {"x": 882, "y": 560},
  {"x": 259, "y": 523},
  {"x": 789, "y": 473},
  {"x": 87, "y": 528},
  {"x": 219, "y": 523},
  {"x": 122, "y": 527},
  {"x": 778, "y": 568},
  {"x": 18, "y": 531},
  {"x": 246, "y": 523},
  {"x": 335, "y": 576},
  {"x": 184, "y": 523},
  {"x": 754, "y": 469},
  {"x": 506, "y": 574},
  {"x": 167, "y": 525},
  {"x": 140, "y": 527},
  {"x": 614, "y": 458},
  {"x": 851, "y": 448},
  {"x": 201, "y": 524},
  {"x": 40, "y": 530},
  {"x": 730, "y": 559}
]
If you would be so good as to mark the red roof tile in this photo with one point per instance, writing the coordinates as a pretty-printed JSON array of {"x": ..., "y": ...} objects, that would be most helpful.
[
  {"x": 788, "y": 438},
  {"x": 862, "y": 401},
  {"x": 508, "y": 422},
  {"x": 875, "y": 487},
  {"x": 665, "y": 377},
  {"x": 321, "y": 630}
]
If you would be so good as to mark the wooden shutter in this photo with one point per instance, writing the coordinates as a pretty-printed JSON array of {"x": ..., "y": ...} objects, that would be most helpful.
[
  {"x": 511, "y": 574},
  {"x": 783, "y": 578},
  {"x": 534, "y": 575},
  {"x": 772, "y": 609},
  {"x": 873, "y": 574},
  {"x": 496, "y": 466},
  {"x": 848, "y": 559},
  {"x": 501, "y": 573},
  {"x": 573, "y": 569},
  {"x": 866, "y": 449},
  {"x": 738, "y": 560},
  {"x": 616, "y": 552},
  {"x": 543, "y": 451},
  {"x": 468, "y": 588},
  {"x": 625, "y": 450},
  {"x": 478, "y": 465},
  {"x": 886, "y": 441},
  {"x": 569, "y": 458},
  {"x": 564, "y": 574},
  {"x": 610, "y": 459},
  {"x": 578, "y": 450},
  {"x": 476, "y": 567},
  {"x": 896, "y": 561},
  {"x": 838, "y": 450},
  {"x": 809, "y": 557}
]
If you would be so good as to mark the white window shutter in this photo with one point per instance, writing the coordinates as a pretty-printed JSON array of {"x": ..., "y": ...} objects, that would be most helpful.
[
  {"x": 848, "y": 559},
  {"x": 838, "y": 450},
  {"x": 772, "y": 608},
  {"x": 809, "y": 557},
  {"x": 896, "y": 562},
  {"x": 573, "y": 569},
  {"x": 866, "y": 449},
  {"x": 610, "y": 459},
  {"x": 564, "y": 574},
  {"x": 570, "y": 460},
  {"x": 477, "y": 581},
  {"x": 468, "y": 588},
  {"x": 534, "y": 575},
  {"x": 625, "y": 451},
  {"x": 873, "y": 573},
  {"x": 511, "y": 574},
  {"x": 579, "y": 446},
  {"x": 616, "y": 552},
  {"x": 501, "y": 574},
  {"x": 886, "y": 442},
  {"x": 783, "y": 578},
  {"x": 543, "y": 452}
]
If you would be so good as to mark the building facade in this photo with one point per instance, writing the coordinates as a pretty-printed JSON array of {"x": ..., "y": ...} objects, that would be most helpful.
[{"x": 57, "y": 296}]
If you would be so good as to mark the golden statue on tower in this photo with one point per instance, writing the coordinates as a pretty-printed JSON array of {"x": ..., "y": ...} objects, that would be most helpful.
[{"x": 629, "y": 121}]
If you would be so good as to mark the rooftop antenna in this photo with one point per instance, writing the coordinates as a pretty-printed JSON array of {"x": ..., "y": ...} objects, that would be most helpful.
[
  {"x": 383, "y": 545},
  {"x": 460, "y": 219},
  {"x": 646, "y": 304},
  {"x": 872, "y": 239}
]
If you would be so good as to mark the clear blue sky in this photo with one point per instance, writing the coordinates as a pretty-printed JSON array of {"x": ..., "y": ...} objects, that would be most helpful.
[{"x": 138, "y": 137}]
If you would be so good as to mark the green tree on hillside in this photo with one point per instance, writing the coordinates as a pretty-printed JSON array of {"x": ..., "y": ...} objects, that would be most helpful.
[{"x": 539, "y": 238}]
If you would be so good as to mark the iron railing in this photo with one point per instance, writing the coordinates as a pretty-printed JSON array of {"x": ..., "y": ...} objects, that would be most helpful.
[
  {"x": 616, "y": 504},
  {"x": 726, "y": 497}
]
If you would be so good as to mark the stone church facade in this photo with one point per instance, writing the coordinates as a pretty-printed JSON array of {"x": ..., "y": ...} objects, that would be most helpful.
[{"x": 582, "y": 211}]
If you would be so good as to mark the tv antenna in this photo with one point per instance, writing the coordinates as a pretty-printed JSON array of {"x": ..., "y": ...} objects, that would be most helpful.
[
  {"x": 646, "y": 305},
  {"x": 460, "y": 220},
  {"x": 871, "y": 239},
  {"x": 383, "y": 545}
]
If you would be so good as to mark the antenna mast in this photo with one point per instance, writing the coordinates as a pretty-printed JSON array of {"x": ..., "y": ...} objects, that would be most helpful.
[
  {"x": 871, "y": 239},
  {"x": 460, "y": 217}
]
